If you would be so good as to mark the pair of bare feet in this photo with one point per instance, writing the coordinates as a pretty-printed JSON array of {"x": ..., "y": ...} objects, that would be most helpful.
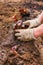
[{"x": 31, "y": 32}]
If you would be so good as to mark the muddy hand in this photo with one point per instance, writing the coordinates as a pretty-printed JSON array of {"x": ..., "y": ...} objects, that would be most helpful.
[
  {"x": 32, "y": 23},
  {"x": 24, "y": 34}
]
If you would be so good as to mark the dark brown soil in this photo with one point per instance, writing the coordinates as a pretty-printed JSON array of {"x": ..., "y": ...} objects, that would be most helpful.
[{"x": 28, "y": 53}]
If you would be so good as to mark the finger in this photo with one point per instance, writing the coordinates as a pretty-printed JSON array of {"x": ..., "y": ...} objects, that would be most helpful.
[
  {"x": 17, "y": 34},
  {"x": 26, "y": 22},
  {"x": 17, "y": 30},
  {"x": 19, "y": 38}
]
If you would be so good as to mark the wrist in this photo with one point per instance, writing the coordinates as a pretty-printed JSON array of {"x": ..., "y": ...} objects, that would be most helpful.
[
  {"x": 37, "y": 32},
  {"x": 40, "y": 18}
]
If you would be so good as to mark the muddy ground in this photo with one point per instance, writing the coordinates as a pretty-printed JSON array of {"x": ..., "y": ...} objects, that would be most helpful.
[{"x": 28, "y": 53}]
